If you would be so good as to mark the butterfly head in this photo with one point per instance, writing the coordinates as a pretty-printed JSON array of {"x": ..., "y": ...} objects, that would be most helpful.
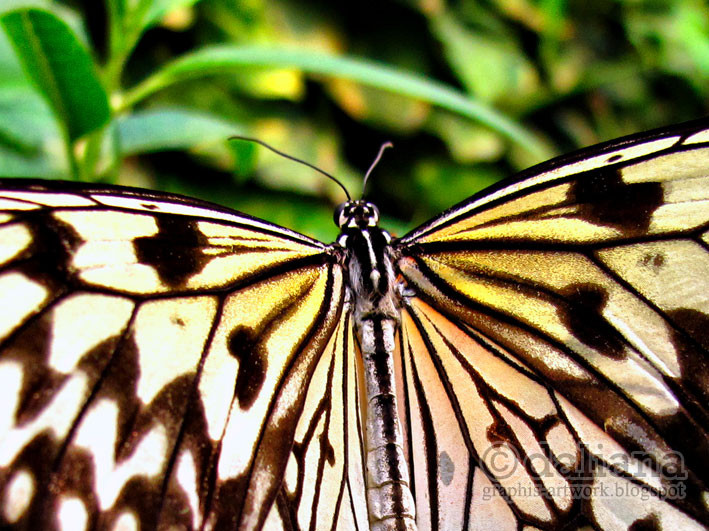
[{"x": 356, "y": 214}]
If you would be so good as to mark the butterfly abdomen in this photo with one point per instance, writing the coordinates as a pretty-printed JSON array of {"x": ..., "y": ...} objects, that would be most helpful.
[{"x": 389, "y": 498}]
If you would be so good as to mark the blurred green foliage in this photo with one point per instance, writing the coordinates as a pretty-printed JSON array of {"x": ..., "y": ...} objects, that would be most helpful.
[{"x": 147, "y": 92}]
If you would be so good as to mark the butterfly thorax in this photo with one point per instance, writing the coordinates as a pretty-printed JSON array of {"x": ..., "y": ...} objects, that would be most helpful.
[
  {"x": 375, "y": 298},
  {"x": 369, "y": 261}
]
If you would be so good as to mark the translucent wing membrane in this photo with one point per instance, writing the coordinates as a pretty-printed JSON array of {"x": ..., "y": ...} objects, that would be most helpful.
[
  {"x": 324, "y": 486},
  {"x": 159, "y": 357},
  {"x": 571, "y": 313},
  {"x": 504, "y": 449}
]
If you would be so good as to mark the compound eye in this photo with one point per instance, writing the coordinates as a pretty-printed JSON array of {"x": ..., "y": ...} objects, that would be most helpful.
[
  {"x": 374, "y": 213},
  {"x": 341, "y": 214}
]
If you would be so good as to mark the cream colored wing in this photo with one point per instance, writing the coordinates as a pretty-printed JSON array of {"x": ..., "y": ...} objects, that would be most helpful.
[
  {"x": 155, "y": 360},
  {"x": 325, "y": 486},
  {"x": 587, "y": 279}
]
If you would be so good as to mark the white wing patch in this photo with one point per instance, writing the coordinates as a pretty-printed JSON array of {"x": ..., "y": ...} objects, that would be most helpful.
[
  {"x": 49, "y": 199},
  {"x": 56, "y": 418},
  {"x": 72, "y": 514},
  {"x": 13, "y": 240},
  {"x": 81, "y": 322},
  {"x": 20, "y": 491},
  {"x": 489, "y": 509},
  {"x": 10, "y": 205},
  {"x": 673, "y": 274},
  {"x": 20, "y": 297},
  {"x": 187, "y": 472},
  {"x": 184, "y": 327}
]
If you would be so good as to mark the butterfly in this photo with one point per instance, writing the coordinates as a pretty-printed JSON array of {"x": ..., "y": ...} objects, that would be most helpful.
[{"x": 535, "y": 357}]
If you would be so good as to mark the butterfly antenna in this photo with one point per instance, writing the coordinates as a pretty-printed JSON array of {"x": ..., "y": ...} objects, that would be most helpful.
[
  {"x": 291, "y": 157},
  {"x": 384, "y": 146}
]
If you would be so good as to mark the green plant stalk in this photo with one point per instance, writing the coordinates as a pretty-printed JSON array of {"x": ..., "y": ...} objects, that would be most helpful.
[
  {"x": 71, "y": 158},
  {"x": 115, "y": 40},
  {"x": 126, "y": 28},
  {"x": 120, "y": 51},
  {"x": 92, "y": 152},
  {"x": 123, "y": 37},
  {"x": 220, "y": 59}
]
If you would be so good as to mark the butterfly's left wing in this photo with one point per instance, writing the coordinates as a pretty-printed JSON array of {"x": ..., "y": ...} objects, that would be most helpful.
[
  {"x": 158, "y": 357},
  {"x": 555, "y": 355}
]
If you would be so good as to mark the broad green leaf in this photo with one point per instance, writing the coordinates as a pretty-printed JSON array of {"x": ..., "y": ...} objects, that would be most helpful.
[
  {"x": 168, "y": 129},
  {"x": 226, "y": 59},
  {"x": 68, "y": 15},
  {"x": 11, "y": 71},
  {"x": 692, "y": 36},
  {"x": 467, "y": 141},
  {"x": 30, "y": 144},
  {"x": 61, "y": 67}
]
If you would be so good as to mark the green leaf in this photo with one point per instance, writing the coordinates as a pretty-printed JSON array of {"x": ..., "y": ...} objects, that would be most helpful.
[
  {"x": 491, "y": 68},
  {"x": 11, "y": 71},
  {"x": 25, "y": 121},
  {"x": 467, "y": 141},
  {"x": 388, "y": 110},
  {"x": 168, "y": 129},
  {"x": 14, "y": 164},
  {"x": 65, "y": 13},
  {"x": 225, "y": 59},
  {"x": 692, "y": 32},
  {"x": 29, "y": 136},
  {"x": 61, "y": 67},
  {"x": 30, "y": 143}
]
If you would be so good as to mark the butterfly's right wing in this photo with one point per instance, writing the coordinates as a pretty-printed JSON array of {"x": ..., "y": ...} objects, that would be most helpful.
[
  {"x": 155, "y": 357},
  {"x": 585, "y": 279}
]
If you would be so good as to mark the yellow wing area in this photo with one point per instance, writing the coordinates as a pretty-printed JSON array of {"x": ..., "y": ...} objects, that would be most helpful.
[
  {"x": 157, "y": 359},
  {"x": 588, "y": 276},
  {"x": 652, "y": 187}
]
